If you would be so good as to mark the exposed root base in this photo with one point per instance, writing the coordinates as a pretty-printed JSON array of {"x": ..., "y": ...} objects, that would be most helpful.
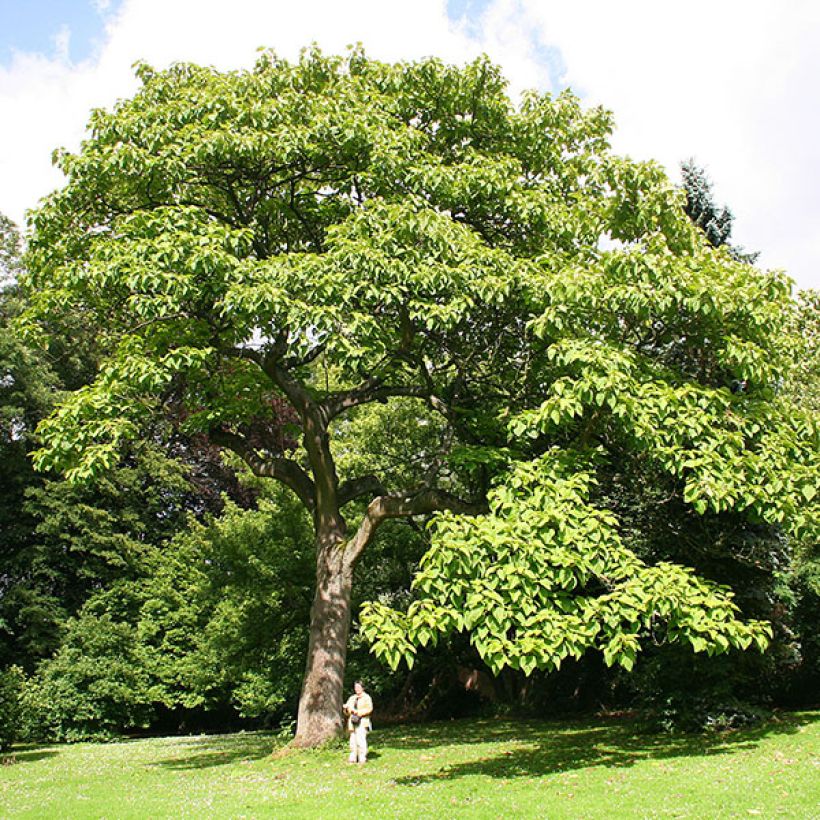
[{"x": 313, "y": 743}]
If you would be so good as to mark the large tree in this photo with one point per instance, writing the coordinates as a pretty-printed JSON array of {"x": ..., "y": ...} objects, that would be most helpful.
[{"x": 265, "y": 252}]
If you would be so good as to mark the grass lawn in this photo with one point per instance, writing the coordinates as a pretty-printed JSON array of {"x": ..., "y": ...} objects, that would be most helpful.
[{"x": 478, "y": 768}]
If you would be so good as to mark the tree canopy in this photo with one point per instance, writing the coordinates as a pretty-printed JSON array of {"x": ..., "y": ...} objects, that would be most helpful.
[{"x": 263, "y": 253}]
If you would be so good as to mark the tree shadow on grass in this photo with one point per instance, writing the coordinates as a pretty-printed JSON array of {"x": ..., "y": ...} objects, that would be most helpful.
[
  {"x": 545, "y": 747},
  {"x": 465, "y": 731},
  {"x": 26, "y": 754},
  {"x": 220, "y": 750},
  {"x": 552, "y": 748}
]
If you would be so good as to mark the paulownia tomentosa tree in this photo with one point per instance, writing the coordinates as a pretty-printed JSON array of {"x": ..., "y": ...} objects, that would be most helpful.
[{"x": 264, "y": 252}]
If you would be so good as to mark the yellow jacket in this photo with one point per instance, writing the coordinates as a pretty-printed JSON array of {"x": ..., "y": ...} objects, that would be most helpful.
[{"x": 362, "y": 705}]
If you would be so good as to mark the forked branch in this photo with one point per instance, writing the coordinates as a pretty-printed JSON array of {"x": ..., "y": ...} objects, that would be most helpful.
[
  {"x": 280, "y": 468},
  {"x": 384, "y": 507}
]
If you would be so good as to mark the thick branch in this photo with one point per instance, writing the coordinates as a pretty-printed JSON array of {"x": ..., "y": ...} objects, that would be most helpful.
[
  {"x": 403, "y": 506},
  {"x": 282, "y": 469},
  {"x": 295, "y": 391},
  {"x": 278, "y": 371},
  {"x": 310, "y": 356},
  {"x": 315, "y": 437},
  {"x": 370, "y": 391},
  {"x": 324, "y": 486},
  {"x": 357, "y": 487},
  {"x": 323, "y": 466},
  {"x": 245, "y": 353},
  {"x": 423, "y": 503}
]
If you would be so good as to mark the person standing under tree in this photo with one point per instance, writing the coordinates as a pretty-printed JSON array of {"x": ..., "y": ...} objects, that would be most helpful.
[{"x": 358, "y": 709}]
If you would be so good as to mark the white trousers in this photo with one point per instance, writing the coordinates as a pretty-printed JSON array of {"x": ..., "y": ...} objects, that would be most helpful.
[{"x": 358, "y": 744}]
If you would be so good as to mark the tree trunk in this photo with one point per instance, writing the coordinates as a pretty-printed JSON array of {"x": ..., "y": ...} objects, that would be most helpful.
[{"x": 320, "y": 704}]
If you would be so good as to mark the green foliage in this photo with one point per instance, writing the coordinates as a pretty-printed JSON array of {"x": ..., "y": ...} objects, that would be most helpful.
[
  {"x": 213, "y": 618},
  {"x": 27, "y": 382},
  {"x": 346, "y": 204},
  {"x": 223, "y": 617},
  {"x": 27, "y": 387},
  {"x": 11, "y": 687},
  {"x": 79, "y": 540},
  {"x": 802, "y": 384},
  {"x": 677, "y": 692},
  {"x": 545, "y": 576},
  {"x": 94, "y": 687},
  {"x": 10, "y": 252},
  {"x": 339, "y": 231},
  {"x": 804, "y": 615},
  {"x": 397, "y": 441}
]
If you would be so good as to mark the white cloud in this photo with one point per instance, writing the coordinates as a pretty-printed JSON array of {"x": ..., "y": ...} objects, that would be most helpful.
[
  {"x": 62, "y": 42},
  {"x": 731, "y": 83}
]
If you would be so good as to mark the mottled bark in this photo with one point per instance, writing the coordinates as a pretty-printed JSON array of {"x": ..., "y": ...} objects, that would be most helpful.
[{"x": 320, "y": 704}]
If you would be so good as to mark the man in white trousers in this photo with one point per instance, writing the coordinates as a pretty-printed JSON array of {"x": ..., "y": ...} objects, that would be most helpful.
[{"x": 358, "y": 709}]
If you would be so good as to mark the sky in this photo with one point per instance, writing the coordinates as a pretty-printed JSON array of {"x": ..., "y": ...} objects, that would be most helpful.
[{"x": 734, "y": 84}]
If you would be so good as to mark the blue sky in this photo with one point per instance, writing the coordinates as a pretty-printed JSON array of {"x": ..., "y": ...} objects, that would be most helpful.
[
  {"x": 35, "y": 26},
  {"x": 75, "y": 29},
  {"x": 469, "y": 10},
  {"x": 755, "y": 136}
]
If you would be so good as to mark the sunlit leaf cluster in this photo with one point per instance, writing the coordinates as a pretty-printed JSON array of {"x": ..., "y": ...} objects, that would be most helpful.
[{"x": 545, "y": 576}]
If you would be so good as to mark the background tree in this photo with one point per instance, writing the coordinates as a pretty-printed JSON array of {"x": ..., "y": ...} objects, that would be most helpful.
[
  {"x": 264, "y": 253},
  {"x": 209, "y": 626},
  {"x": 715, "y": 221},
  {"x": 60, "y": 543},
  {"x": 802, "y": 605},
  {"x": 27, "y": 384},
  {"x": 802, "y": 385},
  {"x": 10, "y": 252}
]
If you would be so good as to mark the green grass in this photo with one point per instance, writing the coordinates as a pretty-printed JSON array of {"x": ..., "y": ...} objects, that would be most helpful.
[{"x": 480, "y": 768}]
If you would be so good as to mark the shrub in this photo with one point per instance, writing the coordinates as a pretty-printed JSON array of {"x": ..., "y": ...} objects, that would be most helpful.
[
  {"x": 95, "y": 687},
  {"x": 680, "y": 692}
]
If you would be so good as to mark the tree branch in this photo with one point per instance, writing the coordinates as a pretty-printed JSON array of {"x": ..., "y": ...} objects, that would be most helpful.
[
  {"x": 369, "y": 391},
  {"x": 278, "y": 371},
  {"x": 324, "y": 486},
  {"x": 357, "y": 487},
  {"x": 404, "y": 506},
  {"x": 247, "y": 353},
  {"x": 295, "y": 391},
  {"x": 292, "y": 361},
  {"x": 282, "y": 469}
]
